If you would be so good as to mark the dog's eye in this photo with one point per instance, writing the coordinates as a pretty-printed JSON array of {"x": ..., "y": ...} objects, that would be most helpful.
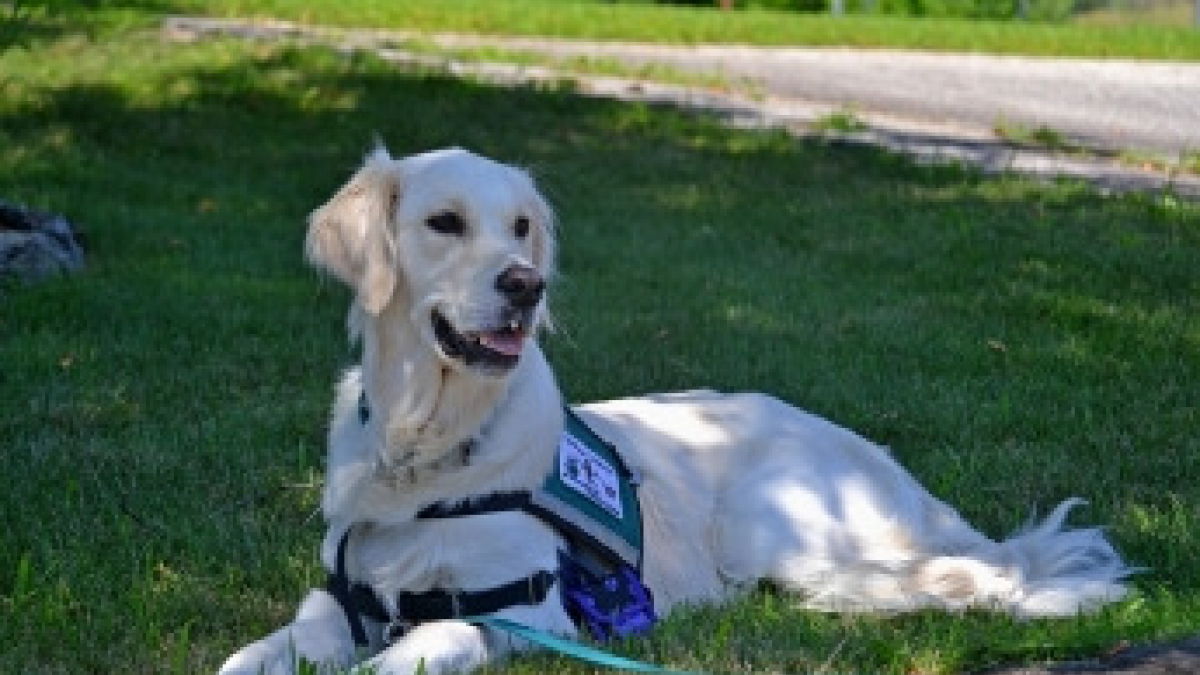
[
  {"x": 448, "y": 222},
  {"x": 521, "y": 227}
]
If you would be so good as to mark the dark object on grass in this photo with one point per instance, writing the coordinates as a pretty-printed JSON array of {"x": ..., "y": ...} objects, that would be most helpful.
[
  {"x": 36, "y": 245},
  {"x": 1170, "y": 658}
]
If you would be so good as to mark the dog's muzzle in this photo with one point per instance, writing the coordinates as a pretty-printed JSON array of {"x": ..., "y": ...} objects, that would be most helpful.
[{"x": 496, "y": 349}]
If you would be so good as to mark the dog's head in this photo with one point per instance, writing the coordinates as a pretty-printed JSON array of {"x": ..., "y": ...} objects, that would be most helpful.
[{"x": 461, "y": 245}]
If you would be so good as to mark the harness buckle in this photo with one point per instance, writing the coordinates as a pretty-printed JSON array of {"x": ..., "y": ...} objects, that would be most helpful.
[
  {"x": 538, "y": 585},
  {"x": 396, "y": 629},
  {"x": 456, "y": 603}
]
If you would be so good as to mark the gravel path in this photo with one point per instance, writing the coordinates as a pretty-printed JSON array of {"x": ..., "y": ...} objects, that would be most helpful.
[{"x": 1118, "y": 105}]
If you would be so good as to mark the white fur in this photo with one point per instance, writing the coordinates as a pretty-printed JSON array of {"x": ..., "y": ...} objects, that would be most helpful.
[{"x": 737, "y": 487}]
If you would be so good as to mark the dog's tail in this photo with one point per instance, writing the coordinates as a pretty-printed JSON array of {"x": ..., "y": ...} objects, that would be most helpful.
[{"x": 1043, "y": 570}]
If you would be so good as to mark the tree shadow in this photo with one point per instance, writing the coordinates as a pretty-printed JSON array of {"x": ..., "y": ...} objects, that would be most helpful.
[{"x": 26, "y": 24}]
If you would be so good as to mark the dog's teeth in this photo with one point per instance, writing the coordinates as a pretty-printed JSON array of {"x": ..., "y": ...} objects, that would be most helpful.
[{"x": 514, "y": 325}]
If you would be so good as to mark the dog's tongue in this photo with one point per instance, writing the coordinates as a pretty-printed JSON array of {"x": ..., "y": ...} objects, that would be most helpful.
[{"x": 505, "y": 342}]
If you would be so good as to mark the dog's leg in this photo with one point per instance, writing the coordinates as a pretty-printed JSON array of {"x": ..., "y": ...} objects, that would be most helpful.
[
  {"x": 319, "y": 635},
  {"x": 443, "y": 647},
  {"x": 437, "y": 648}
]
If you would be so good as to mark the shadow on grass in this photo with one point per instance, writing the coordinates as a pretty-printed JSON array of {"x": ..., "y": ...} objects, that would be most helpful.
[
  {"x": 27, "y": 24},
  {"x": 1016, "y": 343}
]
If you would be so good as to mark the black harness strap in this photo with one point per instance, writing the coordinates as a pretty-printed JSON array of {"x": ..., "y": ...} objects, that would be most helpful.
[
  {"x": 418, "y": 608},
  {"x": 518, "y": 500},
  {"x": 521, "y": 500},
  {"x": 359, "y": 600},
  {"x": 356, "y": 600}
]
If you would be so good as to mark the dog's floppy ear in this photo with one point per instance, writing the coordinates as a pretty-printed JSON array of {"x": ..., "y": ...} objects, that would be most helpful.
[{"x": 351, "y": 235}]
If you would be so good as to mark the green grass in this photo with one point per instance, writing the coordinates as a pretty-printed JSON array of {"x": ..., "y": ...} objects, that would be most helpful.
[
  {"x": 1190, "y": 162},
  {"x": 1054, "y": 141},
  {"x": 845, "y": 121},
  {"x": 163, "y": 414},
  {"x": 1040, "y": 137},
  {"x": 1168, "y": 12},
  {"x": 672, "y": 24},
  {"x": 659, "y": 23}
]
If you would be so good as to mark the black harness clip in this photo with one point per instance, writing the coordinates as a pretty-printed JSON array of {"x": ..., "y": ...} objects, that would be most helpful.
[{"x": 396, "y": 629}]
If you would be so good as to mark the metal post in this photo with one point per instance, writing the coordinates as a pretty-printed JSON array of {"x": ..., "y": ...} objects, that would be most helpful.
[{"x": 838, "y": 7}]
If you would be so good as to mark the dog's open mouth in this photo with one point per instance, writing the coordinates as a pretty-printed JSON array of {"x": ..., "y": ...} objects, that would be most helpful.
[{"x": 497, "y": 348}]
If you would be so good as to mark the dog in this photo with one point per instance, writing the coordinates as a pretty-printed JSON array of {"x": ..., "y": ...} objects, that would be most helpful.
[{"x": 448, "y": 255}]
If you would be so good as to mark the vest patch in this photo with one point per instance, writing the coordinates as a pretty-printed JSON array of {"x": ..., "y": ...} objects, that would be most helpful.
[
  {"x": 589, "y": 475},
  {"x": 589, "y": 491}
]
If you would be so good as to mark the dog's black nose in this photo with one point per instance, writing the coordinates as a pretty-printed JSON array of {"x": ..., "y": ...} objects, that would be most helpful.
[{"x": 522, "y": 285}]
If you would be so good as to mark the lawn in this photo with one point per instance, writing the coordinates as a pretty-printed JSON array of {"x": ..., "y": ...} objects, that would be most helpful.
[
  {"x": 676, "y": 24},
  {"x": 1109, "y": 36},
  {"x": 163, "y": 414}
]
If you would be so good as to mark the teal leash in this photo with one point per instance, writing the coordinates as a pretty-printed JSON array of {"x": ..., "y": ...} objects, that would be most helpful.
[{"x": 573, "y": 649}]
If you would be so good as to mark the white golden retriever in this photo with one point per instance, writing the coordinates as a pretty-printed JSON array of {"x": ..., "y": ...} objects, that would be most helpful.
[{"x": 448, "y": 254}]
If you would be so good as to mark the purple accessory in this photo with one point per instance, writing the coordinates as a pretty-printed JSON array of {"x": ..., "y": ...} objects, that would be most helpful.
[{"x": 615, "y": 605}]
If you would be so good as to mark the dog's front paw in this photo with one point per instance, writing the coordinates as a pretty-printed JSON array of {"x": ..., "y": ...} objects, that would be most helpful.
[
  {"x": 436, "y": 648},
  {"x": 286, "y": 653},
  {"x": 260, "y": 658},
  {"x": 319, "y": 636}
]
